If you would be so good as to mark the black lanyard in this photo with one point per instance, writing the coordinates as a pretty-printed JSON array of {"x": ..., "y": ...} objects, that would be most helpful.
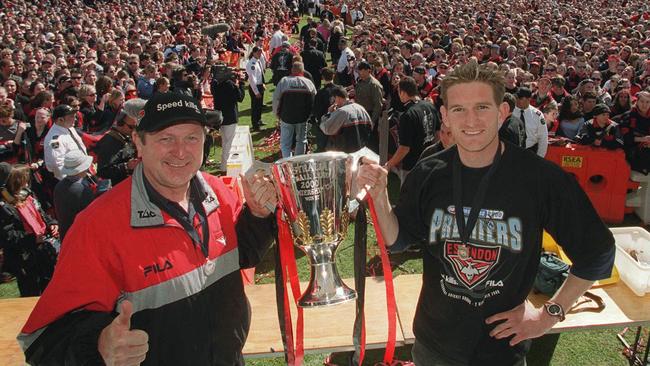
[
  {"x": 196, "y": 199},
  {"x": 457, "y": 191},
  {"x": 205, "y": 229},
  {"x": 72, "y": 135},
  {"x": 185, "y": 219}
]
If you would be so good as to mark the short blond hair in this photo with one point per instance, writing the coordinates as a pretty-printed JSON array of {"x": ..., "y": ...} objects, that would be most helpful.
[
  {"x": 473, "y": 72},
  {"x": 86, "y": 90}
]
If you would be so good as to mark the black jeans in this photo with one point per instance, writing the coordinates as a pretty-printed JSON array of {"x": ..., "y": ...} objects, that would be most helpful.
[
  {"x": 256, "y": 105},
  {"x": 424, "y": 356}
]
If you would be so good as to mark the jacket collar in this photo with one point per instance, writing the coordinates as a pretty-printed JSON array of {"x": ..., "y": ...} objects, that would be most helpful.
[{"x": 145, "y": 213}]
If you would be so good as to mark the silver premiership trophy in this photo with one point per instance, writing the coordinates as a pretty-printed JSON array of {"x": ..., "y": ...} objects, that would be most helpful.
[{"x": 314, "y": 191}]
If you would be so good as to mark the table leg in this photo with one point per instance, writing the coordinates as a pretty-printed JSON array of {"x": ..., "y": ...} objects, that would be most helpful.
[
  {"x": 647, "y": 348},
  {"x": 633, "y": 351}
]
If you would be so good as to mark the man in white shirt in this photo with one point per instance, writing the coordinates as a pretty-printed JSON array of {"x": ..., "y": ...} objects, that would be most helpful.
[
  {"x": 61, "y": 139},
  {"x": 356, "y": 15},
  {"x": 533, "y": 118},
  {"x": 277, "y": 38},
  {"x": 255, "y": 71},
  {"x": 343, "y": 68}
]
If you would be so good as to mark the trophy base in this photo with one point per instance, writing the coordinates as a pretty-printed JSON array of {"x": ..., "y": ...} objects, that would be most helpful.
[
  {"x": 325, "y": 288},
  {"x": 311, "y": 302}
]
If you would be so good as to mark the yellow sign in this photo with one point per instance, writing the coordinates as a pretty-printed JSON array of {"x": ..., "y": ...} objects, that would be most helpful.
[{"x": 572, "y": 161}]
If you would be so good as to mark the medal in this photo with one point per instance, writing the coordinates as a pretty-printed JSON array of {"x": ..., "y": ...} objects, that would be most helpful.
[{"x": 209, "y": 266}]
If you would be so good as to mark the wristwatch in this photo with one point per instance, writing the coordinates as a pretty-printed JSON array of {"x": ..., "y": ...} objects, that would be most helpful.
[{"x": 554, "y": 309}]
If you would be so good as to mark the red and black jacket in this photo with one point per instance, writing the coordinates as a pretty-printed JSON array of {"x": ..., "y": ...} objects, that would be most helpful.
[
  {"x": 634, "y": 124},
  {"x": 608, "y": 137},
  {"x": 123, "y": 247}
]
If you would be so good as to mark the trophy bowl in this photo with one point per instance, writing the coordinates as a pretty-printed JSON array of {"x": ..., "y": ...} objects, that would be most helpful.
[{"x": 314, "y": 192}]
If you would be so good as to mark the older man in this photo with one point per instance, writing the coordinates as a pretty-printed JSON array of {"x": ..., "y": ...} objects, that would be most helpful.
[
  {"x": 149, "y": 273},
  {"x": 61, "y": 138}
]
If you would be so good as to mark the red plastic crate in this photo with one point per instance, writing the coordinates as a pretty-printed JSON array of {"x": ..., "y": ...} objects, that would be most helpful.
[{"x": 603, "y": 174}]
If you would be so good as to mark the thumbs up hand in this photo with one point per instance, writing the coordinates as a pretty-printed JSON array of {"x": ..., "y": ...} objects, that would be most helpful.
[{"x": 121, "y": 346}]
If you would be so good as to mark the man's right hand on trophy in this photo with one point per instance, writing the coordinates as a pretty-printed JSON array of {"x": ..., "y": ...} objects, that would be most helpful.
[{"x": 373, "y": 177}]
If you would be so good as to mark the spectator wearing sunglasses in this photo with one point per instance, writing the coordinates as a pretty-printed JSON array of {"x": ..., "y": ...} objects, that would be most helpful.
[{"x": 116, "y": 156}]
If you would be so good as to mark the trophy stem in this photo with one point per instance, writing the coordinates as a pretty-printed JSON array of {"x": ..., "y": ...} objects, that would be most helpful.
[
  {"x": 325, "y": 285},
  {"x": 314, "y": 193}
]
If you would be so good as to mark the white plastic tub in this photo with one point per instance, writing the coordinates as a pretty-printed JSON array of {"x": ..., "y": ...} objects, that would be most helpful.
[{"x": 635, "y": 275}]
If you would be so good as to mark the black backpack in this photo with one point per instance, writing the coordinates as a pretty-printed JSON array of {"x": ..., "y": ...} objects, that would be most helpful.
[{"x": 551, "y": 274}]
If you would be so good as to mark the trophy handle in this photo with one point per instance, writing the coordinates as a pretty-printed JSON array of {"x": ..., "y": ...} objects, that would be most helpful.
[
  {"x": 285, "y": 198},
  {"x": 359, "y": 193}
]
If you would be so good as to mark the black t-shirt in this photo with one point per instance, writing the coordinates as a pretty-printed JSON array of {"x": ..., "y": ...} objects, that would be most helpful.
[
  {"x": 417, "y": 130},
  {"x": 322, "y": 101},
  {"x": 513, "y": 131},
  {"x": 113, "y": 151},
  {"x": 314, "y": 61},
  {"x": 226, "y": 96},
  {"x": 494, "y": 272}
]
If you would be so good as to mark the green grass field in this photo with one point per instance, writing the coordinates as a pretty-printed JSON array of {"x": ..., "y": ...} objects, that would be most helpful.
[{"x": 597, "y": 348}]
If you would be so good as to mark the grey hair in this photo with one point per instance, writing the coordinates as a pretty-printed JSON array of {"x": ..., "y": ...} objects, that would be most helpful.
[{"x": 132, "y": 108}]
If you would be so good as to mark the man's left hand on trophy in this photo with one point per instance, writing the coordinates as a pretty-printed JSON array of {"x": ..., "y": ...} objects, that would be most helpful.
[{"x": 259, "y": 193}]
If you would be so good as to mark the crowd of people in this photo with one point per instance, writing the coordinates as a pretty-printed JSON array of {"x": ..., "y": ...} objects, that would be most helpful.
[
  {"x": 563, "y": 64},
  {"x": 75, "y": 77}
]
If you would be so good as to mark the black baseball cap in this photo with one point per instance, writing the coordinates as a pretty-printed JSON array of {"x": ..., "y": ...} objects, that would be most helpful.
[
  {"x": 61, "y": 111},
  {"x": 167, "y": 109},
  {"x": 600, "y": 108},
  {"x": 364, "y": 65},
  {"x": 420, "y": 70},
  {"x": 524, "y": 92}
]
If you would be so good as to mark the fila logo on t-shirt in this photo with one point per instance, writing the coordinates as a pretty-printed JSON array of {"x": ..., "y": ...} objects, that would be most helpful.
[{"x": 158, "y": 267}]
